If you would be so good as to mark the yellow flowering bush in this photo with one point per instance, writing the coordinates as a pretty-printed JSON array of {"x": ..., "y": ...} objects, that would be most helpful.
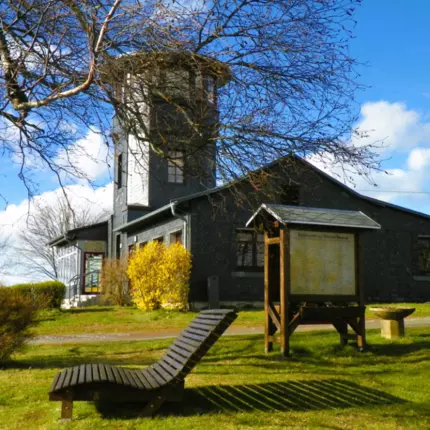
[{"x": 159, "y": 276}]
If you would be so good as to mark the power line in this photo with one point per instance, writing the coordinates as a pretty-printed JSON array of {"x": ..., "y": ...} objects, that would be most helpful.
[{"x": 394, "y": 191}]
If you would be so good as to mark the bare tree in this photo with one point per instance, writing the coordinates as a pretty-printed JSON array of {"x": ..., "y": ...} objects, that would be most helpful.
[
  {"x": 4, "y": 241},
  {"x": 46, "y": 222},
  {"x": 291, "y": 91}
]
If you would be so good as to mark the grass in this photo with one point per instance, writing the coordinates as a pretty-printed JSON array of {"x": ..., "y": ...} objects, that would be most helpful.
[
  {"x": 237, "y": 386},
  {"x": 102, "y": 319}
]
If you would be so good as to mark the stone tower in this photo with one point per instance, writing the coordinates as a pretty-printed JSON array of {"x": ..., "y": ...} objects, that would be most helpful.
[{"x": 172, "y": 100}]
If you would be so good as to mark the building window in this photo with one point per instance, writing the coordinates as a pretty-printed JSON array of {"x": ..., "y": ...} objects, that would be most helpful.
[
  {"x": 424, "y": 255},
  {"x": 119, "y": 167},
  {"x": 131, "y": 248},
  {"x": 92, "y": 267},
  {"x": 210, "y": 89},
  {"x": 175, "y": 167},
  {"x": 142, "y": 244},
  {"x": 250, "y": 249},
  {"x": 158, "y": 239},
  {"x": 290, "y": 196},
  {"x": 118, "y": 246},
  {"x": 176, "y": 237}
]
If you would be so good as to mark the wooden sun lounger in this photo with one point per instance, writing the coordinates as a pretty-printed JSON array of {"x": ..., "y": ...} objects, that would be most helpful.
[{"x": 160, "y": 382}]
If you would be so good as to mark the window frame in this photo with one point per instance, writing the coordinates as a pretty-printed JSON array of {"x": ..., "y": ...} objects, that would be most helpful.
[
  {"x": 211, "y": 89},
  {"x": 118, "y": 245},
  {"x": 254, "y": 267},
  {"x": 178, "y": 175},
  {"x": 290, "y": 195},
  {"x": 84, "y": 273},
  {"x": 420, "y": 271},
  {"x": 119, "y": 169},
  {"x": 175, "y": 235}
]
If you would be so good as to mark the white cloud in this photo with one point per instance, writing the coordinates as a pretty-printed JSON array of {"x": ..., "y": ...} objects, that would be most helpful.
[
  {"x": 398, "y": 127},
  {"x": 89, "y": 157},
  {"x": 13, "y": 220},
  {"x": 419, "y": 158},
  {"x": 406, "y": 137}
]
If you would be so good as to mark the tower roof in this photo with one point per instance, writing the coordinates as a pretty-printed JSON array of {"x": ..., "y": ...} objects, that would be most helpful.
[{"x": 139, "y": 62}]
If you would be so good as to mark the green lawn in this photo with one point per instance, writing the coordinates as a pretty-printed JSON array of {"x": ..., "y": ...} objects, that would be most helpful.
[
  {"x": 121, "y": 320},
  {"x": 237, "y": 386}
]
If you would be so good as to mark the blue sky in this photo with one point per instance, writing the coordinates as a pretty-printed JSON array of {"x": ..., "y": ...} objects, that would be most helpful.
[{"x": 393, "y": 39}]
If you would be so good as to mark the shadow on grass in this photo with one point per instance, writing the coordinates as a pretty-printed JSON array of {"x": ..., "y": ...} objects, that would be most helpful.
[
  {"x": 268, "y": 397},
  {"x": 399, "y": 349}
]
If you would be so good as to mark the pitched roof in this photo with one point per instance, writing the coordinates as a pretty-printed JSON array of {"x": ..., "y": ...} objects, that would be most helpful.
[
  {"x": 317, "y": 216},
  {"x": 318, "y": 171},
  {"x": 68, "y": 235},
  {"x": 166, "y": 208}
]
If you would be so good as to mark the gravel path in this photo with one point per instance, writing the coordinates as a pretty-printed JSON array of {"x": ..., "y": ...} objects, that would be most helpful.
[{"x": 165, "y": 334}]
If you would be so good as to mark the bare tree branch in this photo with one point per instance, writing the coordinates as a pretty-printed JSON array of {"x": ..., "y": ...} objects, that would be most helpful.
[
  {"x": 46, "y": 222},
  {"x": 291, "y": 86}
]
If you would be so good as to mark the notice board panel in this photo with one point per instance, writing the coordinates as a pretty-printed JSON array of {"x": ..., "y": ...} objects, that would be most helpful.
[{"x": 322, "y": 263}]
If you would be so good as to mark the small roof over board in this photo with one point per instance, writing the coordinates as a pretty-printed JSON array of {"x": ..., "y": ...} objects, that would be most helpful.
[{"x": 316, "y": 216}]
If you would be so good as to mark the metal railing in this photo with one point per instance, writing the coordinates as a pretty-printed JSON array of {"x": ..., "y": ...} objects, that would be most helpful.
[{"x": 82, "y": 282}]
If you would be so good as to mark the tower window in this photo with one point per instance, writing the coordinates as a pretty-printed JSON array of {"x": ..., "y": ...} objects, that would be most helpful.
[
  {"x": 175, "y": 167},
  {"x": 210, "y": 88},
  {"x": 119, "y": 171}
]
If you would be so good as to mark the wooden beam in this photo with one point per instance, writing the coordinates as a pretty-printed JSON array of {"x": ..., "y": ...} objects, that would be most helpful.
[
  {"x": 153, "y": 405},
  {"x": 361, "y": 338},
  {"x": 274, "y": 316},
  {"x": 285, "y": 287},
  {"x": 268, "y": 345},
  {"x": 342, "y": 328},
  {"x": 272, "y": 240},
  {"x": 294, "y": 323},
  {"x": 66, "y": 409}
]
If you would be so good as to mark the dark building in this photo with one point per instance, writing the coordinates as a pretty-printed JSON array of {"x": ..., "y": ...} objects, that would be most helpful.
[
  {"x": 396, "y": 258},
  {"x": 174, "y": 198}
]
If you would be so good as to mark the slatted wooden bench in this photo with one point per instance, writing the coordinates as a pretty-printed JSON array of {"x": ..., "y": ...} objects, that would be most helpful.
[{"x": 160, "y": 382}]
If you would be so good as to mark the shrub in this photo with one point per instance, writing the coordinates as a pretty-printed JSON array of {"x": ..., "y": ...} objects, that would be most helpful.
[
  {"x": 48, "y": 294},
  {"x": 17, "y": 313},
  {"x": 159, "y": 276},
  {"x": 114, "y": 282}
]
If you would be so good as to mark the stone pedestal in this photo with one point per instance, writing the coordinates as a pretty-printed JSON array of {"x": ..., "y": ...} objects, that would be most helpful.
[
  {"x": 392, "y": 320},
  {"x": 391, "y": 329}
]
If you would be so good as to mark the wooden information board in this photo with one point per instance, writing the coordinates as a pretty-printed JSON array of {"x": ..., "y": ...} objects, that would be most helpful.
[{"x": 322, "y": 263}]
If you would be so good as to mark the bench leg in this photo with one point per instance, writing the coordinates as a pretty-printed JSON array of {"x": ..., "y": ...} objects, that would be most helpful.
[
  {"x": 153, "y": 405},
  {"x": 66, "y": 409}
]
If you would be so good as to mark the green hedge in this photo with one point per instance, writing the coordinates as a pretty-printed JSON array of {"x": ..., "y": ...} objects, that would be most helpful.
[
  {"x": 17, "y": 314},
  {"x": 48, "y": 294}
]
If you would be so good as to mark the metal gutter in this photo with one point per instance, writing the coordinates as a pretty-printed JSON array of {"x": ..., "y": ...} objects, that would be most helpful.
[
  {"x": 143, "y": 218},
  {"x": 184, "y": 219}
]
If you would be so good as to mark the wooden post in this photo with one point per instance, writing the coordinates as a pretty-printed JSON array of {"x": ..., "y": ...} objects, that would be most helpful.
[
  {"x": 268, "y": 345},
  {"x": 153, "y": 405},
  {"x": 361, "y": 337},
  {"x": 66, "y": 409},
  {"x": 342, "y": 328},
  {"x": 285, "y": 288}
]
